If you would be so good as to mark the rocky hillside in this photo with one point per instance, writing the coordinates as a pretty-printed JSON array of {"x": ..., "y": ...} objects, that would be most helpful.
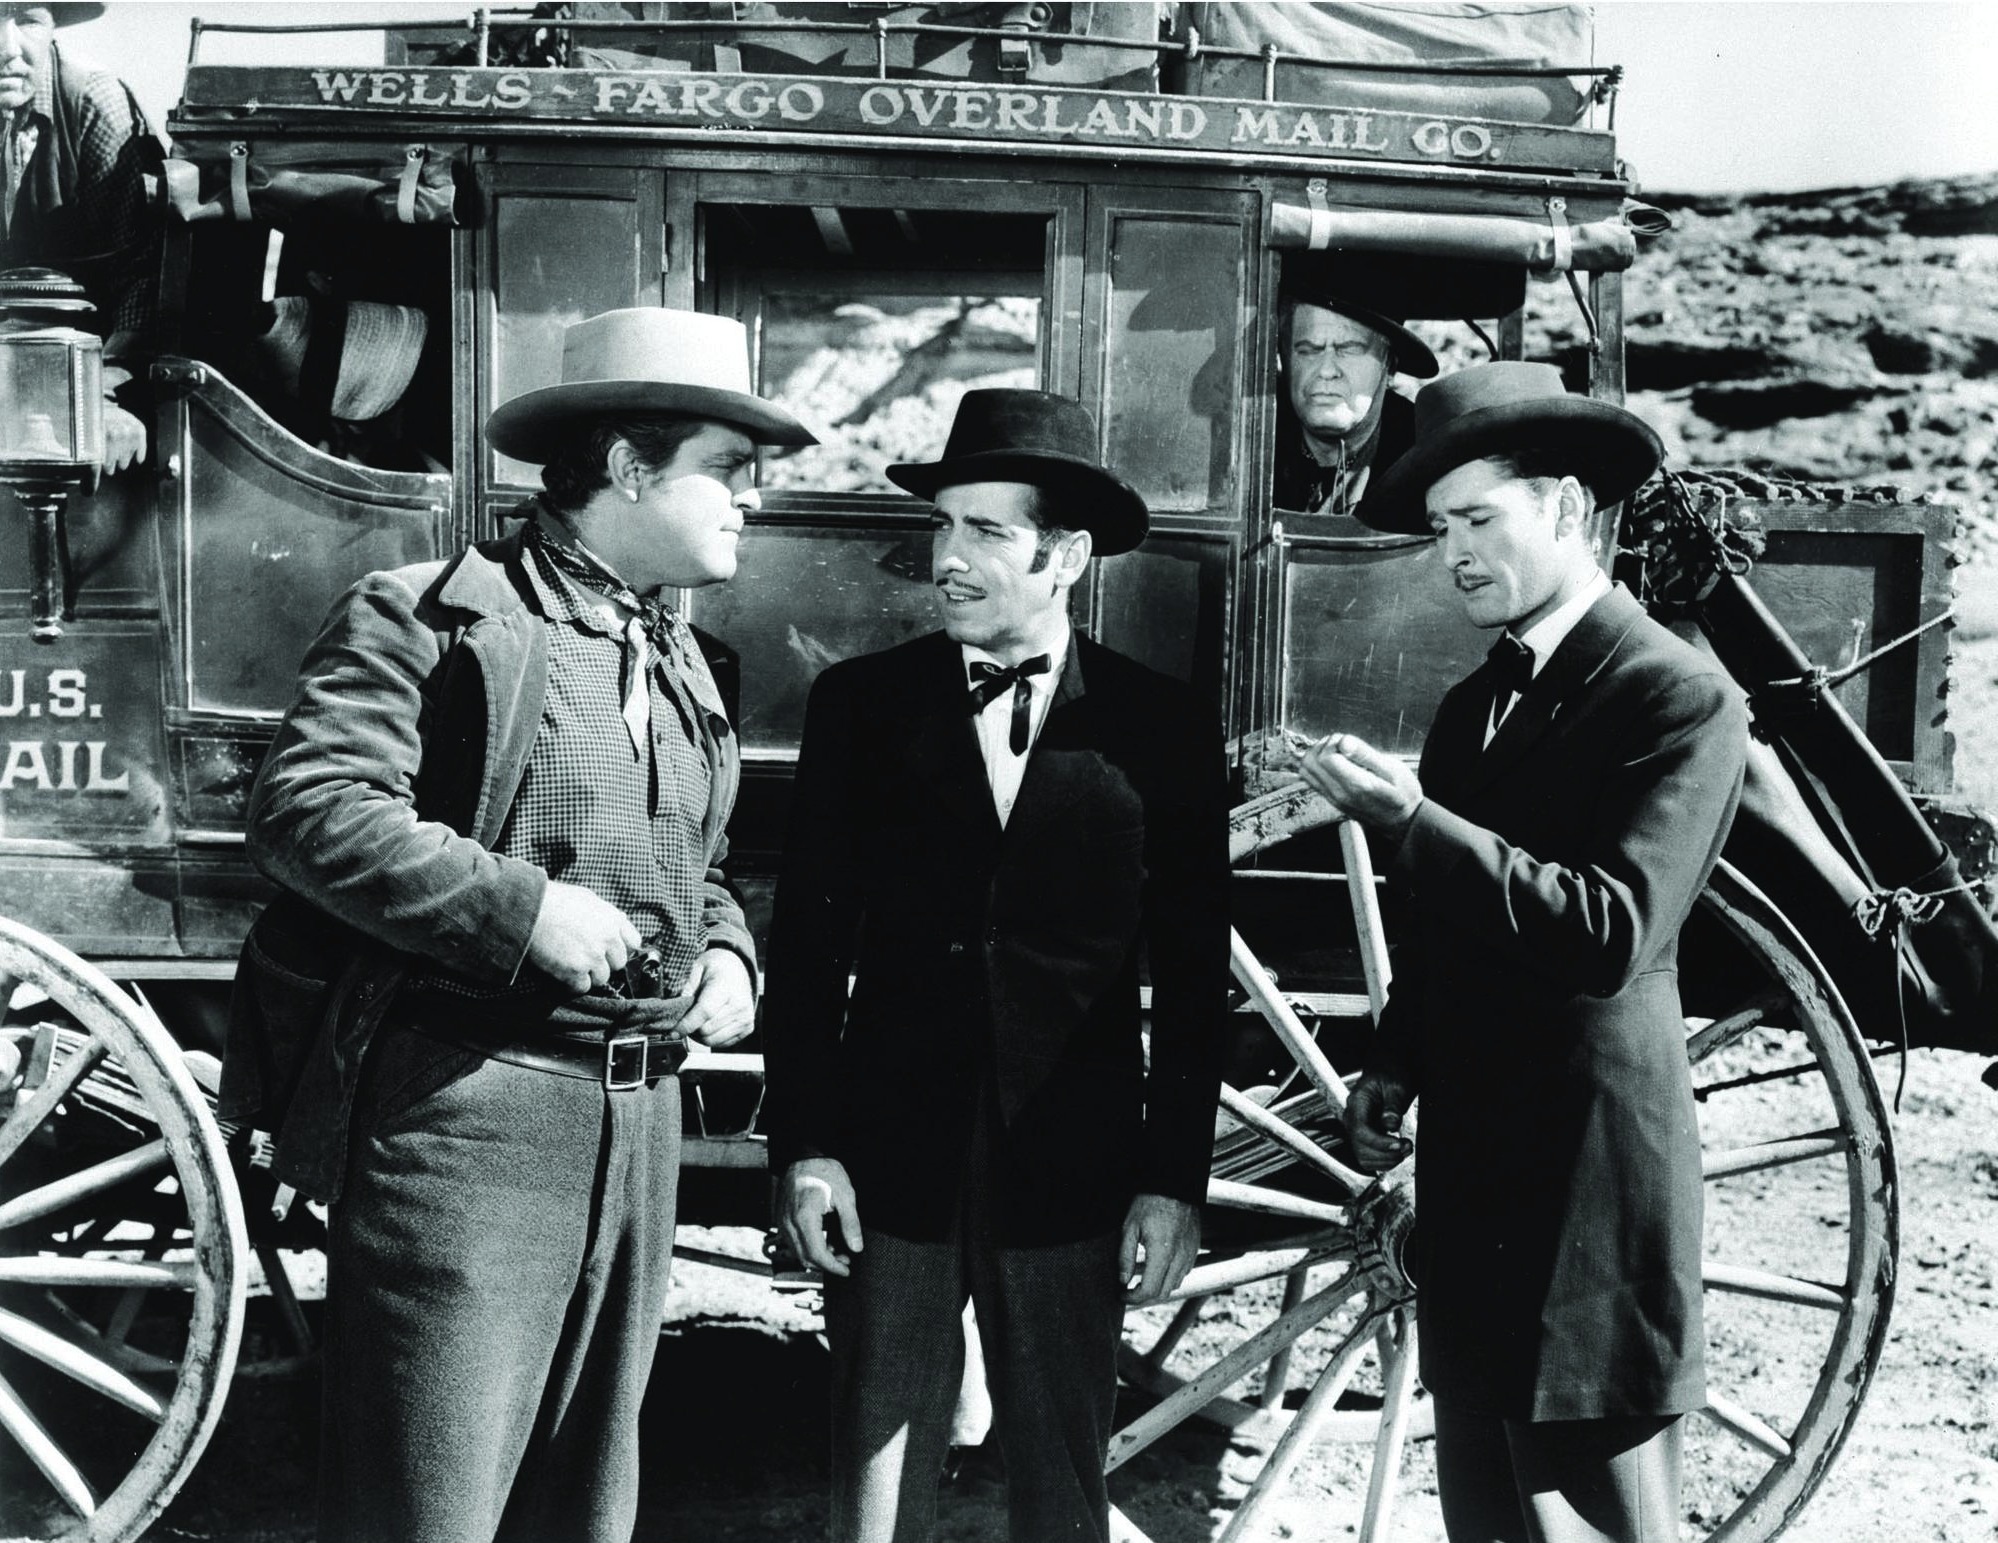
[{"x": 1848, "y": 334}]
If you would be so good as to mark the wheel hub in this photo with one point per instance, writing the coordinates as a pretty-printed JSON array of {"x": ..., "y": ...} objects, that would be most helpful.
[{"x": 1383, "y": 1220}]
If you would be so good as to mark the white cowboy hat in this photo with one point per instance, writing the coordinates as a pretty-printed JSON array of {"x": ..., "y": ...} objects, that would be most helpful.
[{"x": 645, "y": 360}]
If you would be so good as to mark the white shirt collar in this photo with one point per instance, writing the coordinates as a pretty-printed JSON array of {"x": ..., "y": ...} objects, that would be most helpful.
[{"x": 1547, "y": 634}]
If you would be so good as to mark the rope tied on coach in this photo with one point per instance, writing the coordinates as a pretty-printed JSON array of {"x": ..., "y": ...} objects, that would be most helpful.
[
  {"x": 1903, "y": 907},
  {"x": 1685, "y": 545},
  {"x": 1892, "y": 914},
  {"x": 1789, "y": 699}
]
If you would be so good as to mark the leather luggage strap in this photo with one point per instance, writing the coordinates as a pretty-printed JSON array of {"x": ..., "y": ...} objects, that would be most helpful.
[{"x": 621, "y": 1063}]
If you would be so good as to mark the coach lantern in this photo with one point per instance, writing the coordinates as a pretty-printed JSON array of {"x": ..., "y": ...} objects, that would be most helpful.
[{"x": 51, "y": 417}]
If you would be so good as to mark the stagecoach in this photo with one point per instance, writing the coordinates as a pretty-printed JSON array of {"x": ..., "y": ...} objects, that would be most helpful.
[{"x": 901, "y": 202}]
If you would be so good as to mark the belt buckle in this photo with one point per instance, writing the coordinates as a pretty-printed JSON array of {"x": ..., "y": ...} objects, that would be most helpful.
[{"x": 624, "y": 1063}]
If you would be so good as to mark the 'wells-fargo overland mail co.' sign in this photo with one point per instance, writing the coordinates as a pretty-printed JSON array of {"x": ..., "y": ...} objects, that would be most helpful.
[{"x": 821, "y": 104}]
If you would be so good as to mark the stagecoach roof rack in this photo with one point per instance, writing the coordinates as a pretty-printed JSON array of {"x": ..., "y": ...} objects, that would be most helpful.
[{"x": 1190, "y": 44}]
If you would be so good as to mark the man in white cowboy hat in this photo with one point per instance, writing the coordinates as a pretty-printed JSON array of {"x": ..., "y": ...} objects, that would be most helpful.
[
  {"x": 74, "y": 150},
  {"x": 1573, "y": 796},
  {"x": 990, "y": 824},
  {"x": 1337, "y": 418},
  {"x": 496, "y": 809}
]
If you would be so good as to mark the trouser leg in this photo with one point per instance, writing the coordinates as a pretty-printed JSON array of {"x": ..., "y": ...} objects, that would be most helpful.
[
  {"x": 1049, "y": 1319},
  {"x": 580, "y": 1480},
  {"x": 452, "y": 1259},
  {"x": 896, "y": 1334},
  {"x": 1599, "y": 1481},
  {"x": 1474, "y": 1478}
]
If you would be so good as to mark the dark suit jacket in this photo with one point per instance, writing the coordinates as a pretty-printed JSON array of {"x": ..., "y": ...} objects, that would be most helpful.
[
  {"x": 1001, "y": 959},
  {"x": 1536, "y": 1009}
]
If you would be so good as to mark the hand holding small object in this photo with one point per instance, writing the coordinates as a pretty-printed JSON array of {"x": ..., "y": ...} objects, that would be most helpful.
[
  {"x": 1360, "y": 782},
  {"x": 815, "y": 1192}
]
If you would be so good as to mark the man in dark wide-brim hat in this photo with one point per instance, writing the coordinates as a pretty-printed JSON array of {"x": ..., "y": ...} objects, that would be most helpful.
[
  {"x": 989, "y": 825},
  {"x": 1338, "y": 419},
  {"x": 497, "y": 809},
  {"x": 1573, "y": 796}
]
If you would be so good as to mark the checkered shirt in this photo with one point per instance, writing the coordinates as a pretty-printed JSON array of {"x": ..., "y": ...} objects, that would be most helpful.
[
  {"x": 589, "y": 811},
  {"x": 111, "y": 197}
]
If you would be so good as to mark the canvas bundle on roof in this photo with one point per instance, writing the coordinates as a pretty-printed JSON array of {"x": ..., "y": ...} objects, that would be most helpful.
[{"x": 1503, "y": 63}]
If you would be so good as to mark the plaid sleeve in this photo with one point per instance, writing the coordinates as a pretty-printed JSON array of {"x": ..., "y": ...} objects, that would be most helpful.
[{"x": 115, "y": 147}]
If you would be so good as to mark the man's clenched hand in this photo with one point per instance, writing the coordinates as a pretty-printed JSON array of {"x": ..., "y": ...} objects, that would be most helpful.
[
  {"x": 579, "y": 938},
  {"x": 724, "y": 1007}
]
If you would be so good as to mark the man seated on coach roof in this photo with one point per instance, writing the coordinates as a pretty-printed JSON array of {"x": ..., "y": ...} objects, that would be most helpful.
[
  {"x": 1337, "y": 418},
  {"x": 504, "y": 773}
]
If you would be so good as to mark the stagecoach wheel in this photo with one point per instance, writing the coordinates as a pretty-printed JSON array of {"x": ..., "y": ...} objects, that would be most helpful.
[
  {"x": 116, "y": 1199},
  {"x": 1801, "y": 1234}
]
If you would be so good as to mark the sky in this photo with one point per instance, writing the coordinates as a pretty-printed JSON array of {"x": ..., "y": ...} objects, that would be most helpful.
[{"x": 1719, "y": 95}]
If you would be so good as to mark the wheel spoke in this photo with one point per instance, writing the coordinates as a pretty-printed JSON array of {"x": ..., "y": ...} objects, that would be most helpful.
[
  {"x": 279, "y": 1280},
  {"x": 1226, "y": 1372},
  {"x": 1226, "y": 1274},
  {"x": 1773, "y": 1154},
  {"x": 40, "y": 1104},
  {"x": 1277, "y": 1374},
  {"x": 56, "y": 1270},
  {"x": 1774, "y": 1288},
  {"x": 32, "y": 1339},
  {"x": 1366, "y": 903},
  {"x": 27, "y": 1431},
  {"x": 1255, "y": 980},
  {"x": 1302, "y": 1432},
  {"x": 108, "y": 1174},
  {"x": 1731, "y": 1417},
  {"x": 1396, "y": 1340},
  {"x": 1703, "y": 1042},
  {"x": 1184, "y": 1317},
  {"x": 1291, "y": 1139},
  {"x": 1271, "y": 1202},
  {"x": 126, "y": 1357}
]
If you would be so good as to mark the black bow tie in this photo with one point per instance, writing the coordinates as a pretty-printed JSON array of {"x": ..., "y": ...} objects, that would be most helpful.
[
  {"x": 1511, "y": 665},
  {"x": 989, "y": 681}
]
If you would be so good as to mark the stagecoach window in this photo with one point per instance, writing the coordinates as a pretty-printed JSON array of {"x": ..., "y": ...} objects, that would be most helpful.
[
  {"x": 1372, "y": 638},
  {"x": 559, "y": 260},
  {"x": 1170, "y": 388},
  {"x": 1167, "y": 605},
  {"x": 803, "y": 599},
  {"x": 881, "y": 372}
]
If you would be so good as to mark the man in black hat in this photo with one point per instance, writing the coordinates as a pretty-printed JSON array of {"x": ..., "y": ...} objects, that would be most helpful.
[
  {"x": 1337, "y": 419},
  {"x": 1573, "y": 797},
  {"x": 74, "y": 148},
  {"x": 990, "y": 826}
]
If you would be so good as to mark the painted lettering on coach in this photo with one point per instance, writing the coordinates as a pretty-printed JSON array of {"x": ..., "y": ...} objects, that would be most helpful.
[
  {"x": 80, "y": 739},
  {"x": 975, "y": 111},
  {"x": 64, "y": 759}
]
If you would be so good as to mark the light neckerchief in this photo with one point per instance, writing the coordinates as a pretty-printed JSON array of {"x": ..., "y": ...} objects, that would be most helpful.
[{"x": 652, "y": 625}]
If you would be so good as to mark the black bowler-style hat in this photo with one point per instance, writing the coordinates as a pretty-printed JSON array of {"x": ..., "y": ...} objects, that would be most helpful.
[
  {"x": 1048, "y": 441},
  {"x": 1501, "y": 408}
]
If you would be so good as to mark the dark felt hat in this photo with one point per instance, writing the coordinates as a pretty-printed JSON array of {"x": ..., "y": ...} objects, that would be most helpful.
[
  {"x": 68, "y": 15},
  {"x": 1495, "y": 409},
  {"x": 1407, "y": 353},
  {"x": 1011, "y": 435}
]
